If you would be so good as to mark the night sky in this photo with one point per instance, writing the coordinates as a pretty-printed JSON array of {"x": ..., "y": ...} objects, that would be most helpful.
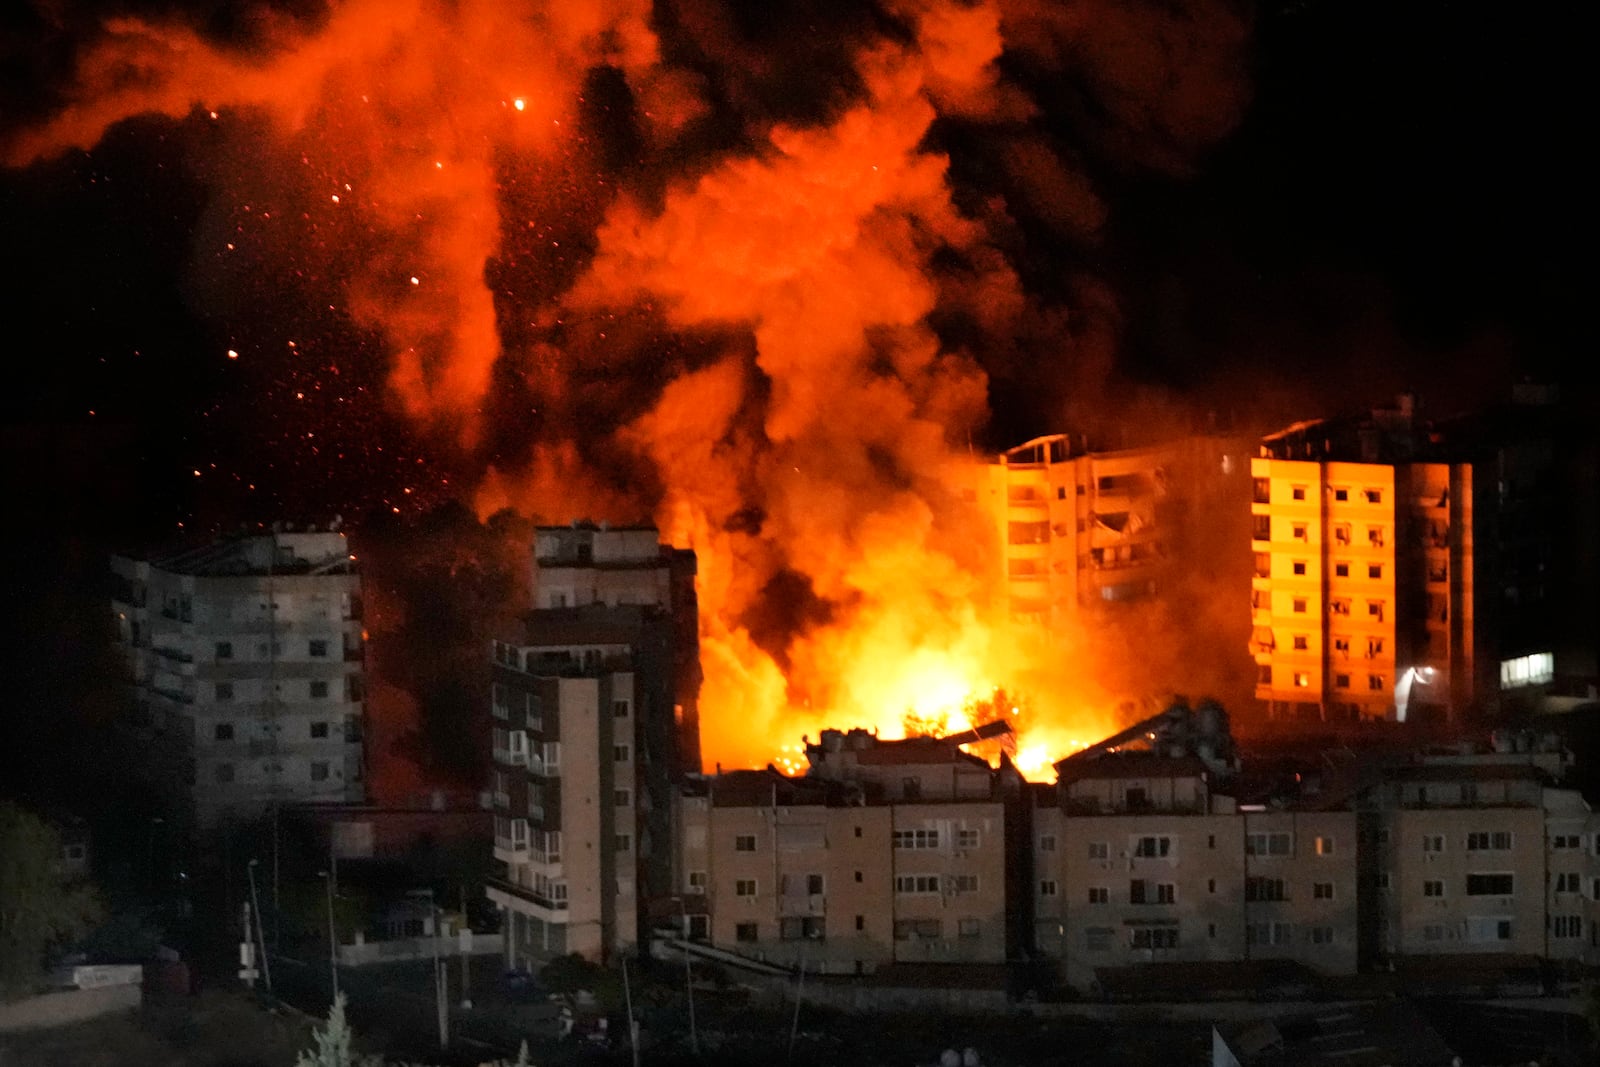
[{"x": 1383, "y": 196}]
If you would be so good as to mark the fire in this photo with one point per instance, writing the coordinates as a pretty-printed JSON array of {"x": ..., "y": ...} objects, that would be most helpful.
[{"x": 727, "y": 312}]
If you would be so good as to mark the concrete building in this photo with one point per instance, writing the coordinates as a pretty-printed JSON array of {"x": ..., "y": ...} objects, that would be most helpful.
[
  {"x": 885, "y": 852},
  {"x": 1402, "y": 567},
  {"x": 1481, "y": 853},
  {"x": 246, "y": 657},
  {"x": 595, "y": 721},
  {"x": 1149, "y": 856}
]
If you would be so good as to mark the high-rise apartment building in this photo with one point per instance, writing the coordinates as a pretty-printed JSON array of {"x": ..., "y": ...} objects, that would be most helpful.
[
  {"x": 246, "y": 657},
  {"x": 1402, "y": 569},
  {"x": 1080, "y": 527},
  {"x": 595, "y": 721}
]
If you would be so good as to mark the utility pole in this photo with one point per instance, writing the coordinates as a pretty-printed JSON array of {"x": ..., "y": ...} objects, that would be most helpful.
[
  {"x": 633, "y": 1026},
  {"x": 799, "y": 992},
  {"x": 464, "y": 948},
  {"x": 688, "y": 978},
  {"x": 333, "y": 940},
  {"x": 261, "y": 937}
]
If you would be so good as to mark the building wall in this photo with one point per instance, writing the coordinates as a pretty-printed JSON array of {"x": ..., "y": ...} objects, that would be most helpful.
[
  {"x": 1313, "y": 919},
  {"x": 252, "y": 684}
]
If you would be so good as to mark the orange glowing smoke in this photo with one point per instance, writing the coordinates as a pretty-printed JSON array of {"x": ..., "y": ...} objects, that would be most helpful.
[{"x": 807, "y": 459}]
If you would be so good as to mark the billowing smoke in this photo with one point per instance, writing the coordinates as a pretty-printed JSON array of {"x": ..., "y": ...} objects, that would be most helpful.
[{"x": 750, "y": 270}]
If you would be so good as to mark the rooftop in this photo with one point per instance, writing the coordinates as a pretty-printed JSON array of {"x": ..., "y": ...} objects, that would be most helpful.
[{"x": 286, "y": 552}]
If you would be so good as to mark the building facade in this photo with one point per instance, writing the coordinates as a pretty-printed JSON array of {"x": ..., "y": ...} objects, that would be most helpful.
[
  {"x": 1402, "y": 568},
  {"x": 246, "y": 657},
  {"x": 594, "y": 708}
]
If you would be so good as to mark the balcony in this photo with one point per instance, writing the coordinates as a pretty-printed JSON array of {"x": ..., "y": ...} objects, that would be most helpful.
[{"x": 522, "y": 892}]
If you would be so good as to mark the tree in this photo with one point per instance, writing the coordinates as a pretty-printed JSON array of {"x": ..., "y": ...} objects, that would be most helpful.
[
  {"x": 40, "y": 907},
  {"x": 334, "y": 1038}
]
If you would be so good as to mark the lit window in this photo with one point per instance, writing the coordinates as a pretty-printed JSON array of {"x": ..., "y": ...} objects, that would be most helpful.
[
  {"x": 1537, "y": 669},
  {"x": 1302, "y": 680},
  {"x": 1324, "y": 846},
  {"x": 1374, "y": 496}
]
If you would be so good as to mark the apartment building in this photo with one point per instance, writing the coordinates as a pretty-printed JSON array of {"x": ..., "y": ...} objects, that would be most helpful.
[
  {"x": 1401, "y": 566},
  {"x": 594, "y": 707},
  {"x": 246, "y": 659},
  {"x": 886, "y": 852},
  {"x": 1079, "y": 528},
  {"x": 1480, "y": 853},
  {"x": 1142, "y": 859}
]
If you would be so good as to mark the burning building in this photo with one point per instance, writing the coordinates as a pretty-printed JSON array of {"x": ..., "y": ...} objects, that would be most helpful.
[
  {"x": 594, "y": 707},
  {"x": 247, "y": 664}
]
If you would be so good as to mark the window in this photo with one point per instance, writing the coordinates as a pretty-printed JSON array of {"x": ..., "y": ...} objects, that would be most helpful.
[
  {"x": 1490, "y": 885},
  {"x": 319, "y": 690},
  {"x": 1099, "y": 894},
  {"x": 1536, "y": 669},
  {"x": 1152, "y": 847},
  {"x": 967, "y": 928},
  {"x": 861, "y": 922},
  {"x": 223, "y": 731},
  {"x": 1433, "y": 887},
  {"x": 1269, "y": 844},
  {"x": 224, "y": 649},
  {"x": 1341, "y": 494},
  {"x": 1211, "y": 885},
  {"x": 800, "y": 928},
  {"x": 1374, "y": 647},
  {"x": 1299, "y": 605},
  {"x": 1433, "y": 842},
  {"x": 916, "y": 883},
  {"x": 1099, "y": 850},
  {"x": 1321, "y": 890},
  {"x": 224, "y": 772},
  {"x": 1098, "y": 938},
  {"x": 1047, "y": 888},
  {"x": 1375, "y": 683},
  {"x": 223, "y": 692},
  {"x": 966, "y": 839},
  {"x": 1375, "y": 609},
  {"x": 1433, "y": 932},
  {"x": 622, "y": 843},
  {"x": 1153, "y": 937},
  {"x": 1566, "y": 926},
  {"x": 1166, "y": 893},
  {"x": 1299, "y": 531},
  {"x": 1322, "y": 935},
  {"x": 318, "y": 648},
  {"x": 1339, "y": 606},
  {"x": 1269, "y": 933},
  {"x": 1341, "y": 533},
  {"x": 551, "y": 753},
  {"x": 1047, "y": 842},
  {"x": 319, "y": 731},
  {"x": 622, "y": 798},
  {"x": 1341, "y": 570},
  {"x": 1568, "y": 882},
  {"x": 1375, "y": 538},
  {"x": 1488, "y": 928},
  {"x": 746, "y": 932},
  {"x": 916, "y": 839},
  {"x": 1259, "y": 890},
  {"x": 1302, "y": 680},
  {"x": 744, "y": 843},
  {"x": 1561, "y": 842},
  {"x": 1298, "y": 492},
  {"x": 1341, "y": 645},
  {"x": 1385, "y": 883},
  {"x": 1264, "y": 674},
  {"x": 319, "y": 770},
  {"x": 744, "y": 887},
  {"x": 1341, "y": 681},
  {"x": 697, "y": 881},
  {"x": 1374, "y": 496},
  {"x": 1324, "y": 846},
  {"x": 620, "y": 709},
  {"x": 1261, "y": 528},
  {"x": 1374, "y": 570},
  {"x": 1301, "y": 642},
  {"x": 962, "y": 883},
  {"x": 858, "y": 877},
  {"x": 1485, "y": 841},
  {"x": 921, "y": 929},
  {"x": 619, "y": 753},
  {"x": 1299, "y": 567}
]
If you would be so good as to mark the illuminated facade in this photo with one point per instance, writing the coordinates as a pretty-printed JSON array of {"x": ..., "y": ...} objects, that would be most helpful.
[
  {"x": 1401, "y": 568},
  {"x": 594, "y": 722},
  {"x": 246, "y": 657},
  {"x": 888, "y": 852}
]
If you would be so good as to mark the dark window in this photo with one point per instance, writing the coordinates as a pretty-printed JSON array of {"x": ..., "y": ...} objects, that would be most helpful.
[
  {"x": 1490, "y": 885},
  {"x": 224, "y": 691},
  {"x": 224, "y": 649},
  {"x": 319, "y": 731},
  {"x": 319, "y": 690},
  {"x": 224, "y": 731},
  {"x": 318, "y": 648},
  {"x": 746, "y": 932},
  {"x": 319, "y": 771}
]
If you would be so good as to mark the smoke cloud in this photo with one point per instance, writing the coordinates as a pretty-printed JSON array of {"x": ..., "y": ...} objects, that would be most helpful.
[{"x": 715, "y": 265}]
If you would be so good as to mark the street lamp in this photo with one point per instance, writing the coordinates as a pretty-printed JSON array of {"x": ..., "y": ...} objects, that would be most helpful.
[
  {"x": 261, "y": 938},
  {"x": 441, "y": 998},
  {"x": 688, "y": 976},
  {"x": 333, "y": 941}
]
